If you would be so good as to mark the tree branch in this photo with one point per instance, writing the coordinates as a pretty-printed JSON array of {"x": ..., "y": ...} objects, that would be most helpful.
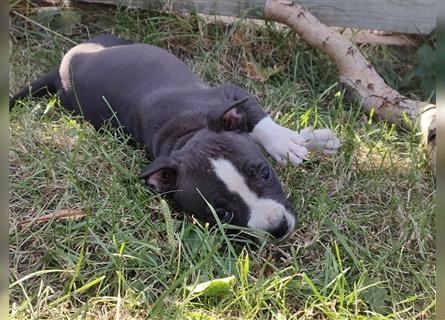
[{"x": 356, "y": 72}]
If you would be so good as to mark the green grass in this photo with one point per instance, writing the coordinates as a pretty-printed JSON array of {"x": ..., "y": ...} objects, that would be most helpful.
[{"x": 363, "y": 247}]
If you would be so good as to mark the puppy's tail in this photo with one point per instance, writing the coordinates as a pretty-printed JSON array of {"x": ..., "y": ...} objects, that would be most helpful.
[{"x": 37, "y": 88}]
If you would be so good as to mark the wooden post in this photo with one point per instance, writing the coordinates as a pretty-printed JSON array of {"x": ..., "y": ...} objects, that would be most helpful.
[{"x": 413, "y": 16}]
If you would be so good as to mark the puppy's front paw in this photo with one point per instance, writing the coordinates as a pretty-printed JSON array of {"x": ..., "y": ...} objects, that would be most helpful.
[
  {"x": 280, "y": 143},
  {"x": 288, "y": 146},
  {"x": 323, "y": 140}
]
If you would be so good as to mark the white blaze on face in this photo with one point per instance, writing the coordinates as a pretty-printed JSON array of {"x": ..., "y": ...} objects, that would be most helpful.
[{"x": 265, "y": 214}]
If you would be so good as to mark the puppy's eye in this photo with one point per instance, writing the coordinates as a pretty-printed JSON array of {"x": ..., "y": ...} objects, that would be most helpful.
[
  {"x": 224, "y": 215},
  {"x": 265, "y": 172}
]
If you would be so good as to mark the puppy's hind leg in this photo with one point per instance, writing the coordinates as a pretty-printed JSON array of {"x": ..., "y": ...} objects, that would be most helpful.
[{"x": 37, "y": 88}]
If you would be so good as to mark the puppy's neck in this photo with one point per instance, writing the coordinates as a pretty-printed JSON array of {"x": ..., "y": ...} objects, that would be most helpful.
[{"x": 176, "y": 132}]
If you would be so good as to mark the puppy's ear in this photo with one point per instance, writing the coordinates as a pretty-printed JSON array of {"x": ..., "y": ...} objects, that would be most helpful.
[
  {"x": 160, "y": 175},
  {"x": 231, "y": 118}
]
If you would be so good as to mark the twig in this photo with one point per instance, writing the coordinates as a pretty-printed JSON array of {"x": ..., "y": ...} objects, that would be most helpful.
[
  {"x": 45, "y": 28},
  {"x": 369, "y": 89}
]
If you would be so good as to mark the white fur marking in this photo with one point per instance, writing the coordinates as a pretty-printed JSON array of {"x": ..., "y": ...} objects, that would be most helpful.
[
  {"x": 265, "y": 214},
  {"x": 284, "y": 144},
  {"x": 323, "y": 140},
  {"x": 281, "y": 143}
]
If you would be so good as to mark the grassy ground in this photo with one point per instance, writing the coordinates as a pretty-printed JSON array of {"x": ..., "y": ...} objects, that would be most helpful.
[{"x": 363, "y": 247}]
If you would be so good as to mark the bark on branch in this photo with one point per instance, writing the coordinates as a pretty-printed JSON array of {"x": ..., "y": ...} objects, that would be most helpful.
[{"x": 357, "y": 73}]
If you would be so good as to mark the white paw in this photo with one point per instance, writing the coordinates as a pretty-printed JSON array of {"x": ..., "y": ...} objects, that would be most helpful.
[
  {"x": 323, "y": 140},
  {"x": 281, "y": 143},
  {"x": 287, "y": 146}
]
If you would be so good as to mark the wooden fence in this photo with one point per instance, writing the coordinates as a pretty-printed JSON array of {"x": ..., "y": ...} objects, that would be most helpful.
[{"x": 406, "y": 16}]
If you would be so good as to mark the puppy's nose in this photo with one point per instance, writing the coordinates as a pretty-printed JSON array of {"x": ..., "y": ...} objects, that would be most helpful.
[{"x": 281, "y": 230}]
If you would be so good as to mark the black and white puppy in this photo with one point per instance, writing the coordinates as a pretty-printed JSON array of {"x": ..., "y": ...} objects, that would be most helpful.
[{"x": 200, "y": 138}]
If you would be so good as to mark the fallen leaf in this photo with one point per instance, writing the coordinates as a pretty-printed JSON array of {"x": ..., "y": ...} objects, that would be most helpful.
[
  {"x": 59, "y": 215},
  {"x": 213, "y": 287},
  {"x": 58, "y": 19},
  {"x": 238, "y": 37},
  {"x": 377, "y": 297},
  {"x": 259, "y": 73},
  {"x": 253, "y": 72},
  {"x": 199, "y": 315}
]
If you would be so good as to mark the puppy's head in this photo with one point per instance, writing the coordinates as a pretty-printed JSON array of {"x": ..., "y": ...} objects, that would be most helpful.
[{"x": 226, "y": 168}]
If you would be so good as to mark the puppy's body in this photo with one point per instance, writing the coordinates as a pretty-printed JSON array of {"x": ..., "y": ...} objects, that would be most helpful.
[{"x": 198, "y": 135}]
